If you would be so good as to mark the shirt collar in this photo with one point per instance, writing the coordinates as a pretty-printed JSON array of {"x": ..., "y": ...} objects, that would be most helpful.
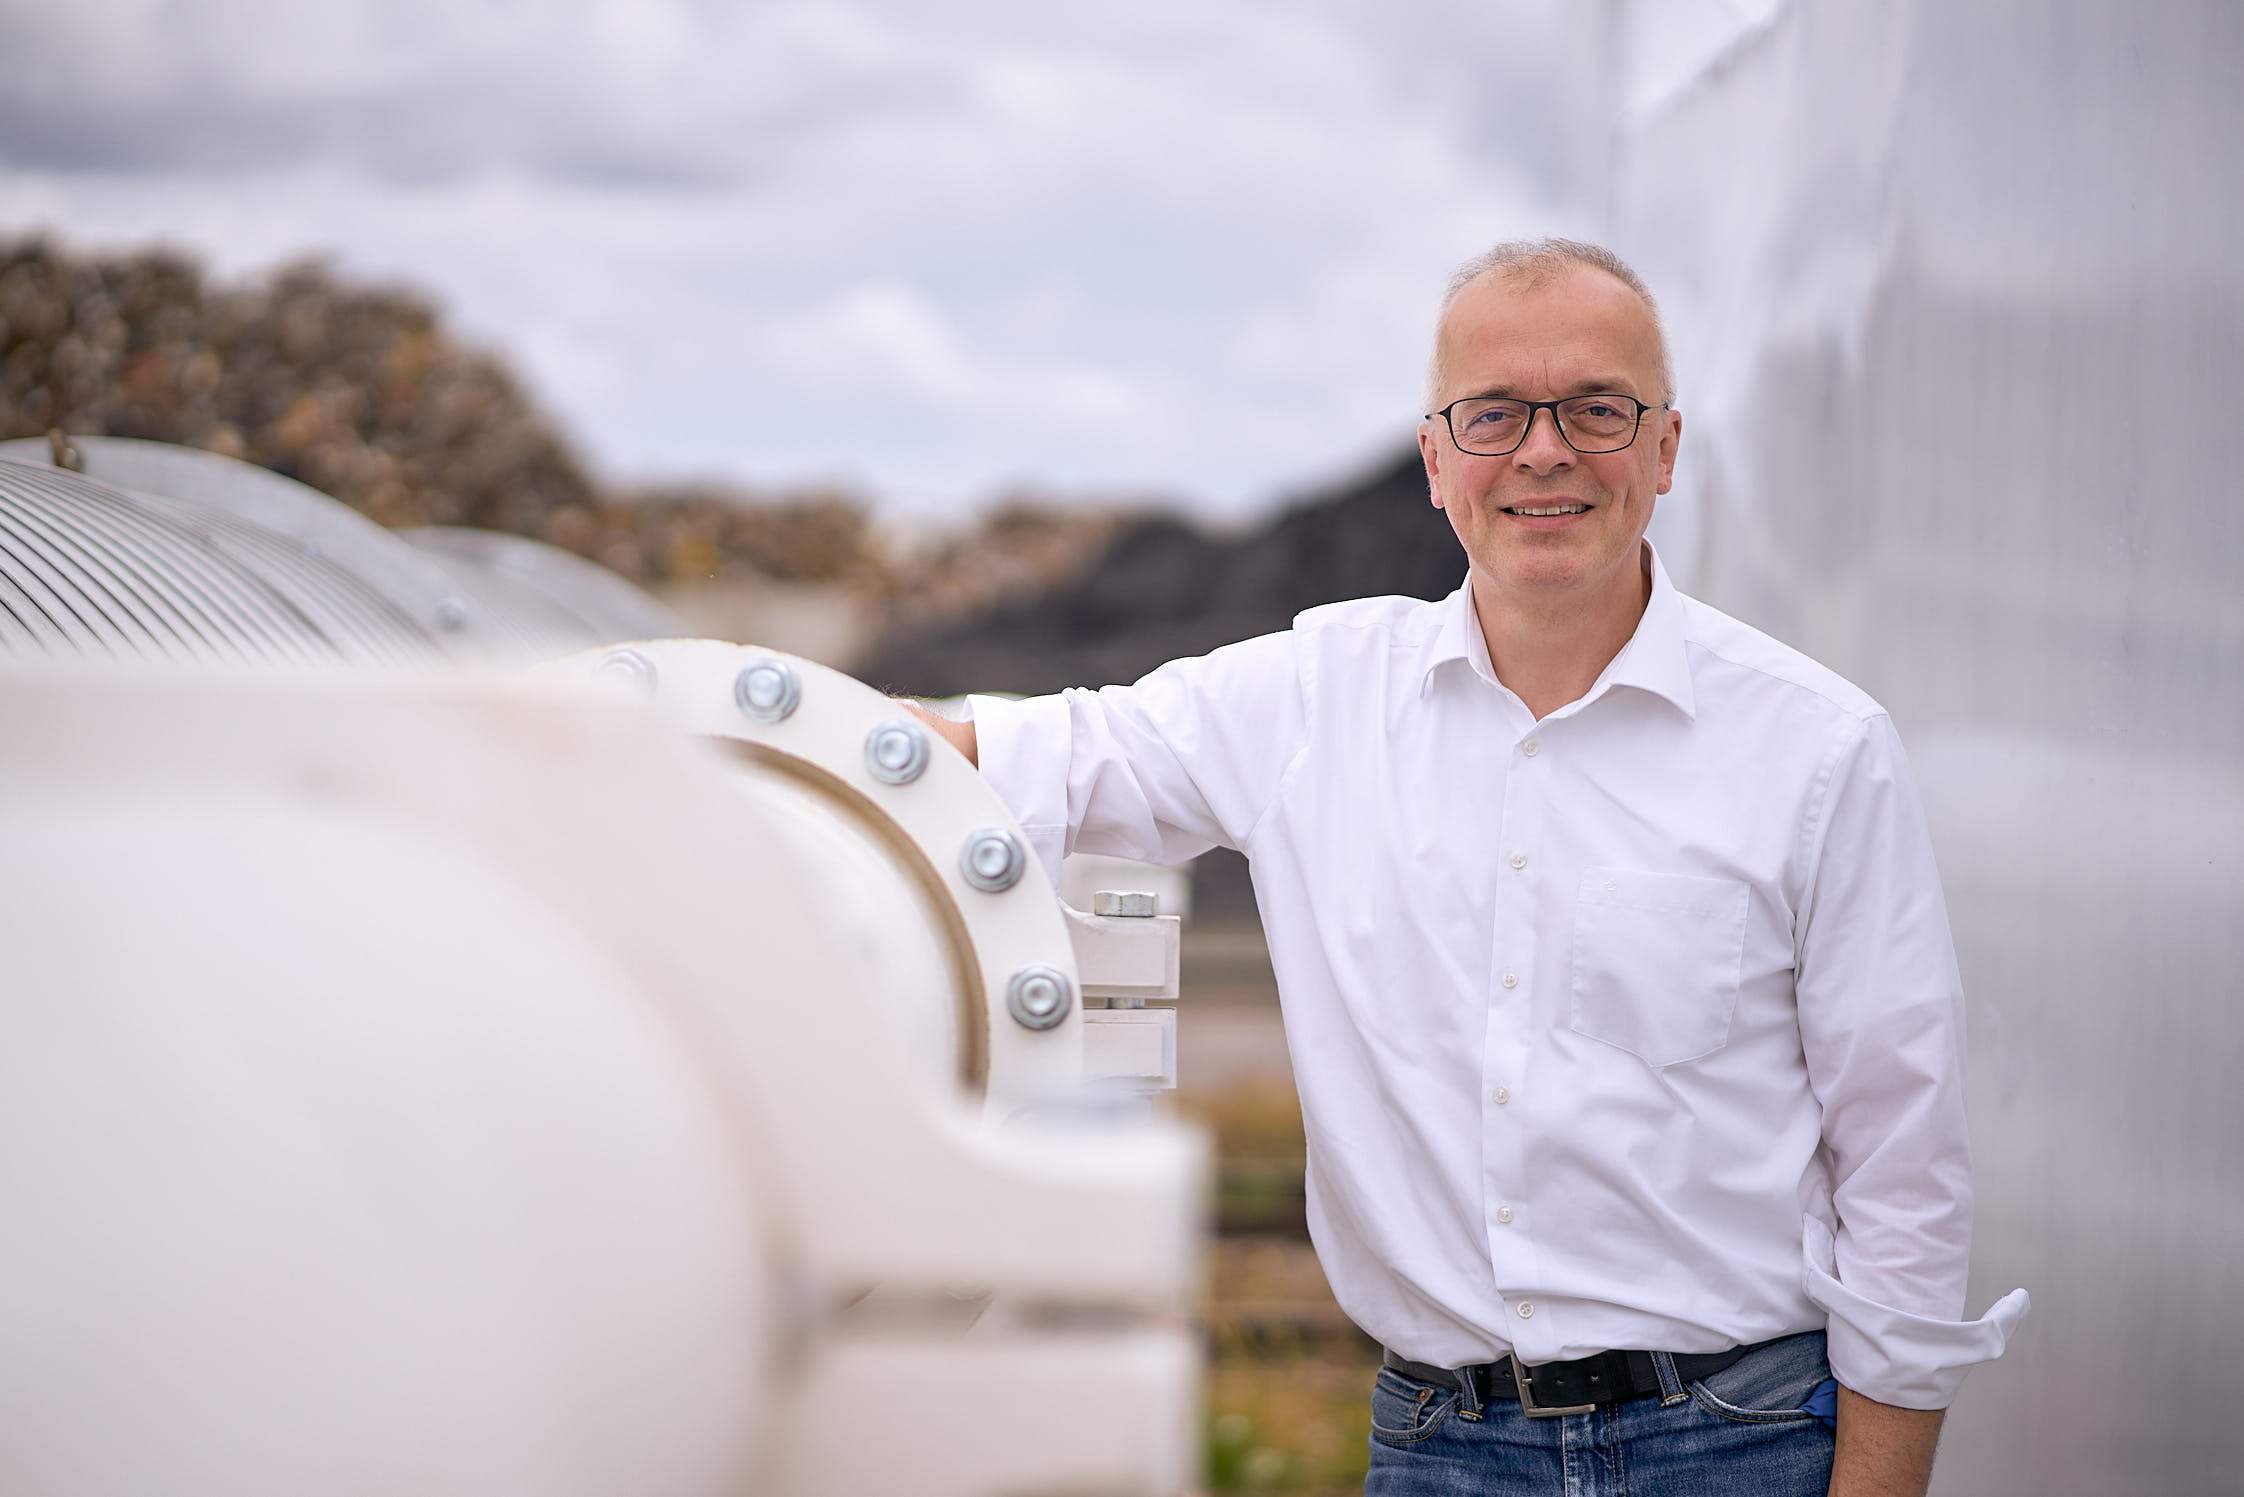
[{"x": 1653, "y": 659}]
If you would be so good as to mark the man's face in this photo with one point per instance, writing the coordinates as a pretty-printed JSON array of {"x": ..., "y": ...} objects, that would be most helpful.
[{"x": 1581, "y": 332}]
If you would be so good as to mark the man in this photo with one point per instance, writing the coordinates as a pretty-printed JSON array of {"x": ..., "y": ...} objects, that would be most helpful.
[{"x": 1616, "y": 975}]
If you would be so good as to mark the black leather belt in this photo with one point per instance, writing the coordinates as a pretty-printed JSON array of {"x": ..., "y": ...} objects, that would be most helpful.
[{"x": 1569, "y": 1387}]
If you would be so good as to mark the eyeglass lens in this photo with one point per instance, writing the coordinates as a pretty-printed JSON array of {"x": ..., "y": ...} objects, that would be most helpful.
[{"x": 1589, "y": 423}]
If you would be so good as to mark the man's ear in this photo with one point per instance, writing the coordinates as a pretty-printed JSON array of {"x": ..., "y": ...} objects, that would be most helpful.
[
  {"x": 1429, "y": 453},
  {"x": 1670, "y": 441}
]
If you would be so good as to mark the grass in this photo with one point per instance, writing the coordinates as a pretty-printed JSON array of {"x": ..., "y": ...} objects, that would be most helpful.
[
  {"x": 1289, "y": 1379},
  {"x": 1294, "y": 1425}
]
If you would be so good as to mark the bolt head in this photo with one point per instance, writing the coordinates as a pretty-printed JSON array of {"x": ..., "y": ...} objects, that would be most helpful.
[
  {"x": 896, "y": 752},
  {"x": 992, "y": 860},
  {"x": 767, "y": 690},
  {"x": 1039, "y": 997},
  {"x": 631, "y": 667}
]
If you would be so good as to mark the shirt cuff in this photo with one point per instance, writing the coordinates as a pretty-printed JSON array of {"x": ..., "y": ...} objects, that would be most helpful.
[
  {"x": 1892, "y": 1355},
  {"x": 1023, "y": 748}
]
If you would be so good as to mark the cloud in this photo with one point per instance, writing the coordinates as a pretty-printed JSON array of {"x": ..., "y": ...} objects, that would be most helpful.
[{"x": 1163, "y": 247}]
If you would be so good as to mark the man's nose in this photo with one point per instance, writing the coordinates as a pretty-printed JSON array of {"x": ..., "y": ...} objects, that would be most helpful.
[{"x": 1544, "y": 449}]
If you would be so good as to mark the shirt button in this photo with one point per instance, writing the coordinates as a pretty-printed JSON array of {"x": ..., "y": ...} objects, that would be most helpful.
[
  {"x": 1526, "y": 1309},
  {"x": 1531, "y": 748},
  {"x": 1501, "y": 1095},
  {"x": 1511, "y": 979},
  {"x": 1519, "y": 860},
  {"x": 1504, "y": 1215}
]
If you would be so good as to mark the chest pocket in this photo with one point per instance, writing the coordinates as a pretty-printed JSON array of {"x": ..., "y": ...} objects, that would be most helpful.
[{"x": 1656, "y": 961}]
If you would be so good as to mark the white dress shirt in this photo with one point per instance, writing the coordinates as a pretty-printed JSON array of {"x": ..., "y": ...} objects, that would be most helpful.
[{"x": 1635, "y": 1027}]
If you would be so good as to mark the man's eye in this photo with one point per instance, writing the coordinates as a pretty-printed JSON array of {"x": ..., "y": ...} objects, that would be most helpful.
[
  {"x": 1486, "y": 420},
  {"x": 1601, "y": 409}
]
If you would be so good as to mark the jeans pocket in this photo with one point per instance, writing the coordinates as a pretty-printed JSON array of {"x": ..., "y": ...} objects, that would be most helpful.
[
  {"x": 1656, "y": 961},
  {"x": 1772, "y": 1386},
  {"x": 1405, "y": 1411}
]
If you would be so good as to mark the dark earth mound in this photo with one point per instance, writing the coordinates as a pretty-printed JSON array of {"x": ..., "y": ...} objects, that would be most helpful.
[{"x": 1161, "y": 589}]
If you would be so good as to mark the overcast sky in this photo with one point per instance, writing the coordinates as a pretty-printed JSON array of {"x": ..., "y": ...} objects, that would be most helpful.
[{"x": 931, "y": 250}]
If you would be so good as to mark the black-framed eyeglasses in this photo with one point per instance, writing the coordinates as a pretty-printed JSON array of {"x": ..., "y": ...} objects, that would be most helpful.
[{"x": 1490, "y": 427}]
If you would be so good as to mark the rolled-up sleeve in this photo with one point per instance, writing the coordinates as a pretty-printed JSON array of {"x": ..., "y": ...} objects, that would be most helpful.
[
  {"x": 1188, "y": 758},
  {"x": 1882, "y": 1026}
]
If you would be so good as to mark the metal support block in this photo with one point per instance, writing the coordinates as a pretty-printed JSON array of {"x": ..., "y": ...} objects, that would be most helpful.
[
  {"x": 1133, "y": 1046},
  {"x": 1124, "y": 959}
]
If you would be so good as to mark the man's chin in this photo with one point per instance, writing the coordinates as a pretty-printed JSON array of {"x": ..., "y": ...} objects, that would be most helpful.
[
  {"x": 1538, "y": 564},
  {"x": 1553, "y": 571}
]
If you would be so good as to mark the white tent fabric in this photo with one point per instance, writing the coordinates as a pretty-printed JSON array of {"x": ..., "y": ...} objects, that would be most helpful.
[{"x": 1959, "y": 325}]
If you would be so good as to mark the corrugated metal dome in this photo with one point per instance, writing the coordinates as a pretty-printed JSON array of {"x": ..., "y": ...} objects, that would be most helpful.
[
  {"x": 92, "y": 570},
  {"x": 313, "y": 523},
  {"x": 152, "y": 550}
]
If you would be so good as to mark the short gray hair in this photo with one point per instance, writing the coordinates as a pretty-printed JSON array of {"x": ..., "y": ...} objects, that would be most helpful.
[{"x": 1535, "y": 262}]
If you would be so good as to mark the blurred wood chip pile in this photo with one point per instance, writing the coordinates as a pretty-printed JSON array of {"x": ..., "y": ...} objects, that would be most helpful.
[{"x": 360, "y": 392}]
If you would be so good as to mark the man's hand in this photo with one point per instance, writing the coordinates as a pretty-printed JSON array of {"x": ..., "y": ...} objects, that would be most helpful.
[
  {"x": 958, "y": 735},
  {"x": 1883, "y": 1451}
]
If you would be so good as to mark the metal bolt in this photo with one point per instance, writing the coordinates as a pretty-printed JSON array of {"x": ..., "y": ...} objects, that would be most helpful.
[
  {"x": 768, "y": 690},
  {"x": 896, "y": 752},
  {"x": 1129, "y": 904},
  {"x": 630, "y": 666},
  {"x": 1039, "y": 997},
  {"x": 451, "y": 615},
  {"x": 992, "y": 860}
]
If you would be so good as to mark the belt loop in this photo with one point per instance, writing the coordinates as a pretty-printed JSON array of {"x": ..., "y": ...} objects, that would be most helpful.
[
  {"x": 1469, "y": 1396},
  {"x": 1671, "y": 1385}
]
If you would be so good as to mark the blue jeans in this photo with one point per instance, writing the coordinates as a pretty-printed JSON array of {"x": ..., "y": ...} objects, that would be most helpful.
[{"x": 1742, "y": 1431}]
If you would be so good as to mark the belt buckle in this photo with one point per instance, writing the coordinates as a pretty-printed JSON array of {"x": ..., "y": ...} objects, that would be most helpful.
[{"x": 1527, "y": 1403}]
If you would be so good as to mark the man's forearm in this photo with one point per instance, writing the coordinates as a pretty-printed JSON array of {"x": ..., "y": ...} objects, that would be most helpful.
[
  {"x": 1883, "y": 1451},
  {"x": 959, "y": 735}
]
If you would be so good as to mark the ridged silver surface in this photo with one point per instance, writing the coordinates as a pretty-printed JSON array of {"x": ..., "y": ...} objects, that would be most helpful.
[
  {"x": 154, "y": 550},
  {"x": 90, "y": 570},
  {"x": 300, "y": 515}
]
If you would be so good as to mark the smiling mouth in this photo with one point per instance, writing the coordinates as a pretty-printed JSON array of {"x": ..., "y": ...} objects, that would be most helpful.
[{"x": 1546, "y": 509}]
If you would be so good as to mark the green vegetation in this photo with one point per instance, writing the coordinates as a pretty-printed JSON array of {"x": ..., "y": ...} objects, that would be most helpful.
[{"x": 1288, "y": 1405}]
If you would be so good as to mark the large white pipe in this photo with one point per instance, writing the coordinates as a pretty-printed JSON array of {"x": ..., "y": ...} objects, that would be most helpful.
[{"x": 452, "y": 1084}]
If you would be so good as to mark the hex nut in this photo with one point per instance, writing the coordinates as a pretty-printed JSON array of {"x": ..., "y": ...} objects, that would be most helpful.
[
  {"x": 1039, "y": 997},
  {"x": 1128, "y": 904},
  {"x": 767, "y": 690},
  {"x": 992, "y": 860},
  {"x": 896, "y": 752}
]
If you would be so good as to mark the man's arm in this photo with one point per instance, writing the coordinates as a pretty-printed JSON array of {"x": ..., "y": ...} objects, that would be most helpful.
[
  {"x": 1883, "y": 1451},
  {"x": 1881, "y": 1028},
  {"x": 1185, "y": 759},
  {"x": 959, "y": 735}
]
